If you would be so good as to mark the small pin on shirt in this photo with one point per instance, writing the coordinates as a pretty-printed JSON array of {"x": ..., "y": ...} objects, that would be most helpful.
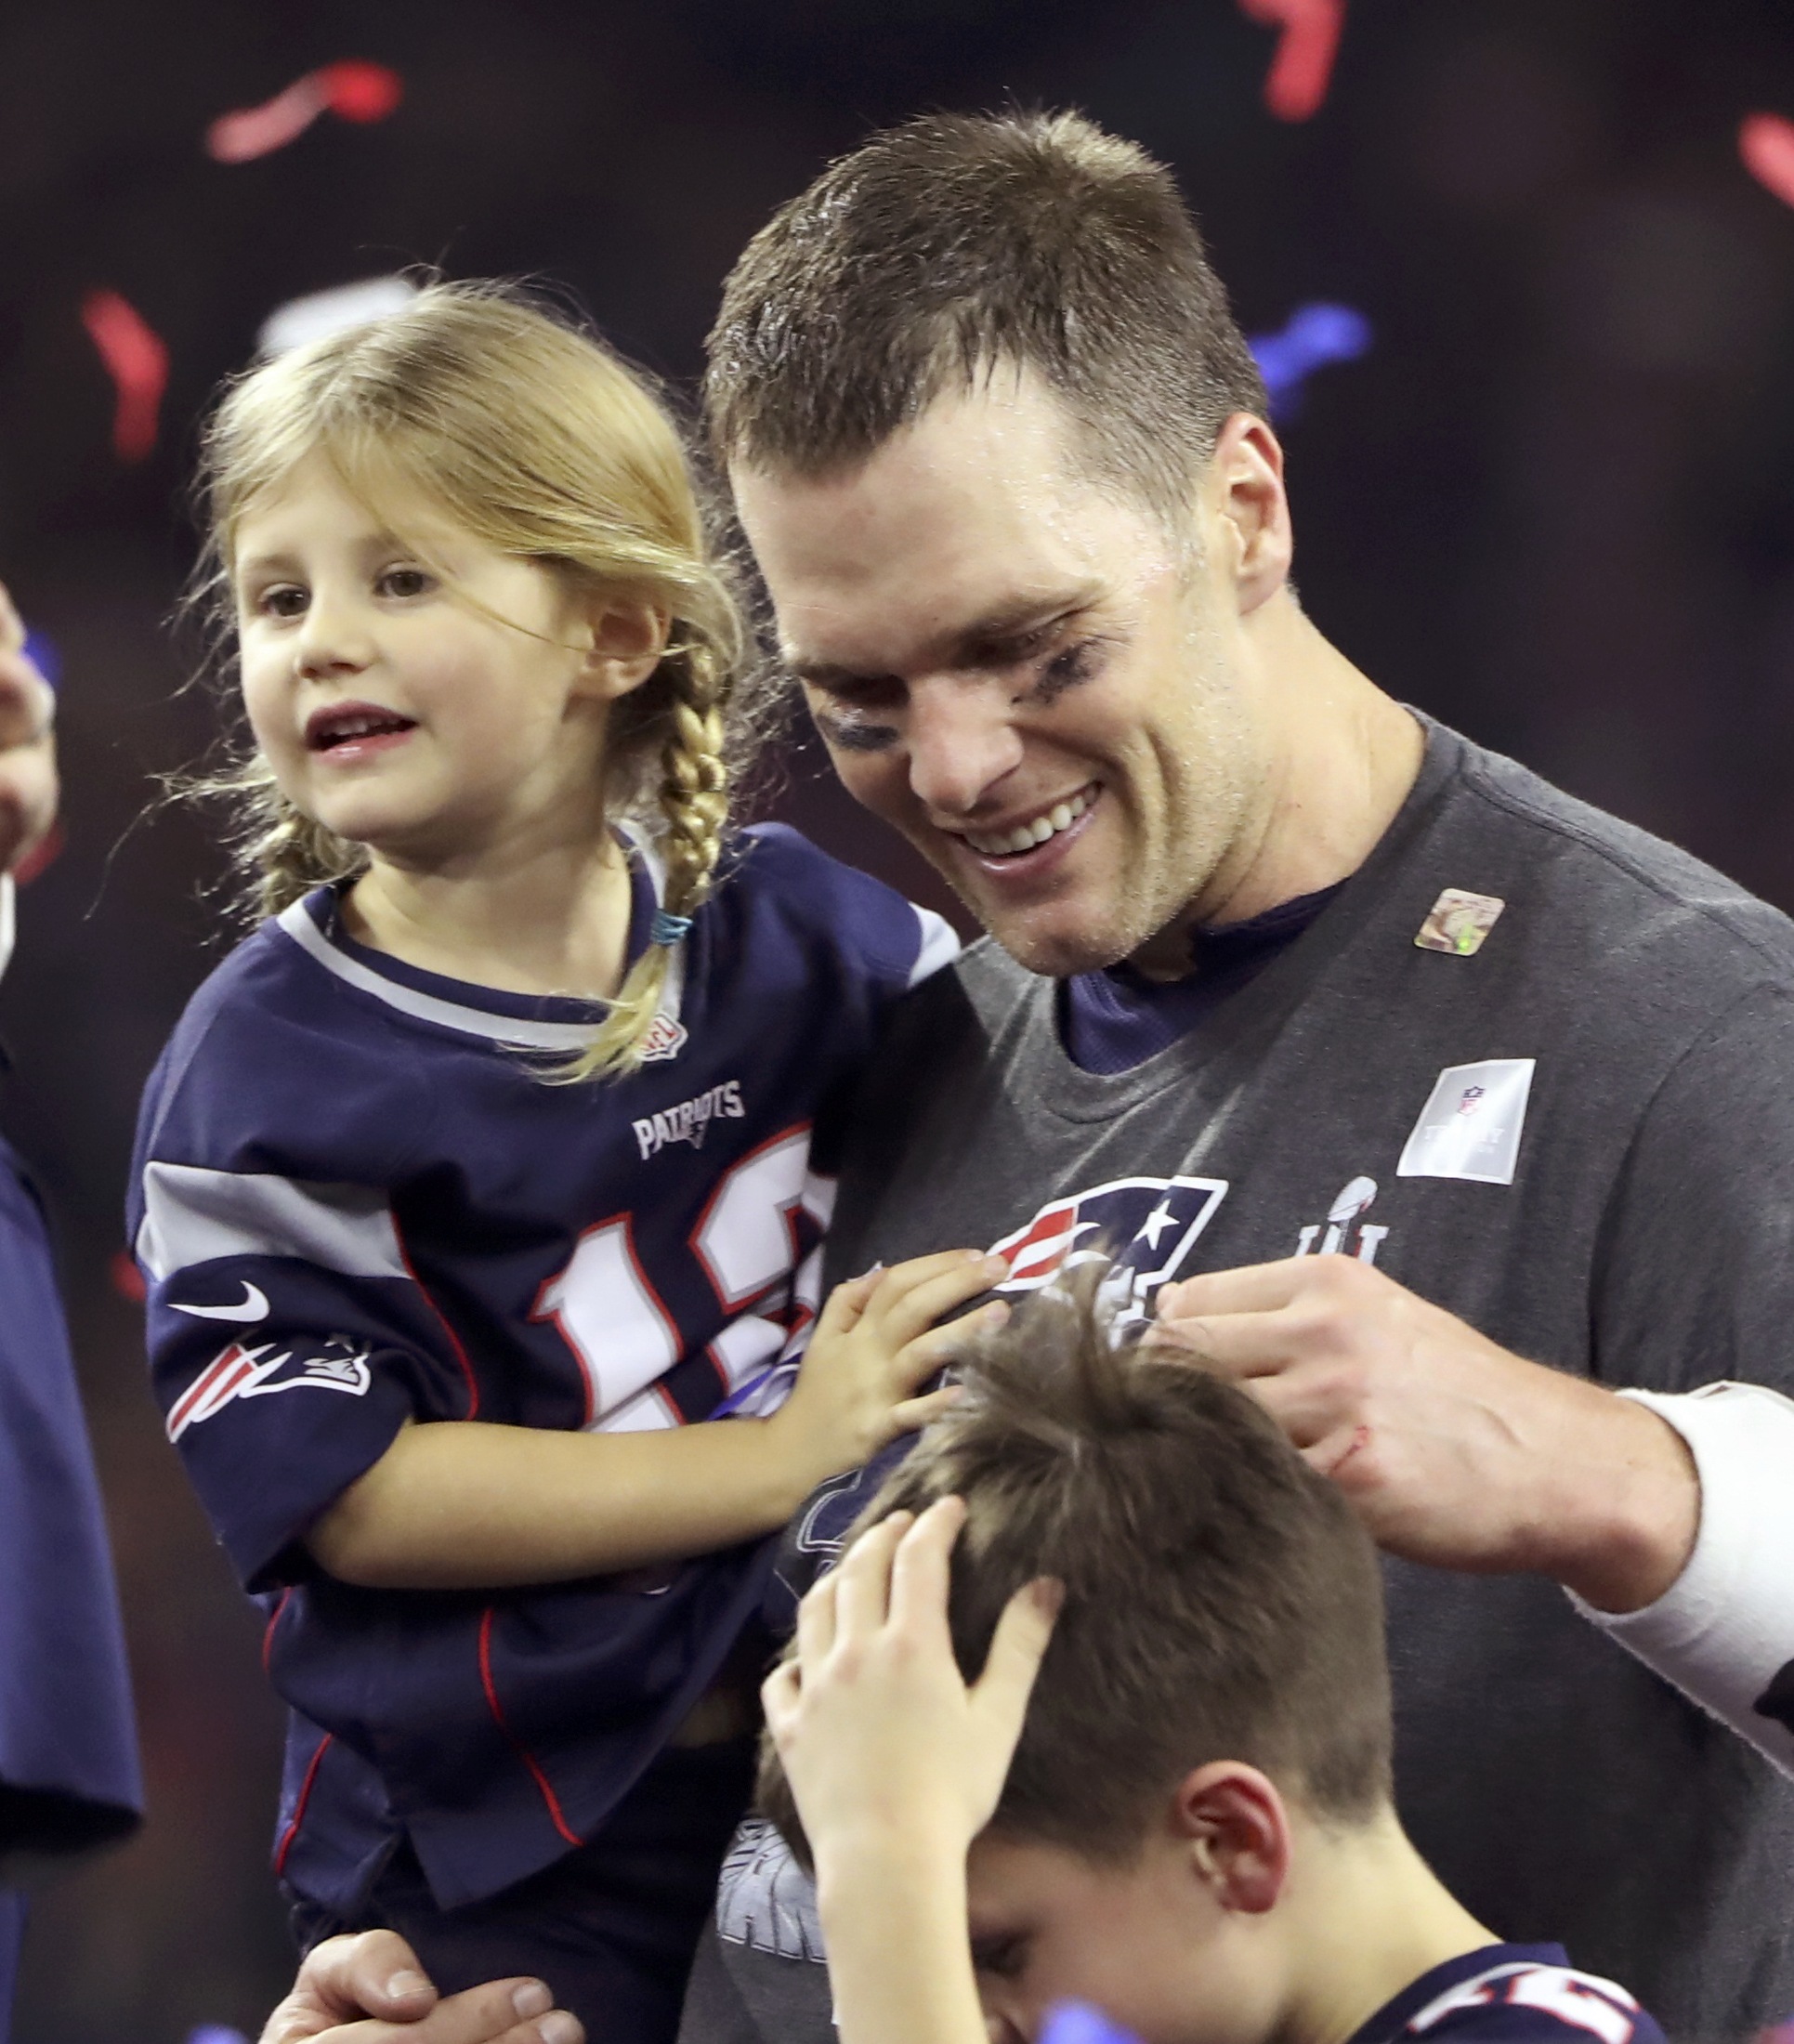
[{"x": 1458, "y": 922}]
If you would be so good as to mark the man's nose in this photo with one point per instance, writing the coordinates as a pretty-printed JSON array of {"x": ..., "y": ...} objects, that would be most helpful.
[{"x": 962, "y": 742}]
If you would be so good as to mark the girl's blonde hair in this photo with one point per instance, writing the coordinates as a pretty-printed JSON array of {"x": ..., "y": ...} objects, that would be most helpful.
[{"x": 537, "y": 440}]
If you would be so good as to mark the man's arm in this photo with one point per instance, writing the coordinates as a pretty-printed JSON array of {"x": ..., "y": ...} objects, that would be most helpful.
[
  {"x": 375, "y": 1975},
  {"x": 1668, "y": 1512},
  {"x": 896, "y": 1767}
]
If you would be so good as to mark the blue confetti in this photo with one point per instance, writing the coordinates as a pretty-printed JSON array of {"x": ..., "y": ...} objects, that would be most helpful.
[
  {"x": 1078, "y": 2023},
  {"x": 1316, "y": 335},
  {"x": 42, "y": 655}
]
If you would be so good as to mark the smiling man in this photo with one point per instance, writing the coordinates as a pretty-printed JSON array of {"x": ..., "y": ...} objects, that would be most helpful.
[{"x": 1431, "y": 1104}]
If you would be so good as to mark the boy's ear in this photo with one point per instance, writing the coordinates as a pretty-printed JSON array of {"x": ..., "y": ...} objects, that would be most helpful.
[
  {"x": 1238, "y": 1832},
  {"x": 627, "y": 637}
]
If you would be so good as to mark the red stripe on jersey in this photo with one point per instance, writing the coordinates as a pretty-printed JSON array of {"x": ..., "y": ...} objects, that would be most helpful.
[
  {"x": 291, "y": 1830},
  {"x": 442, "y": 1320},
  {"x": 232, "y": 1363},
  {"x": 516, "y": 1744},
  {"x": 267, "y": 1630}
]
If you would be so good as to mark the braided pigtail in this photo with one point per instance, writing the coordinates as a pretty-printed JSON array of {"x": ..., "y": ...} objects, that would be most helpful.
[{"x": 692, "y": 801}]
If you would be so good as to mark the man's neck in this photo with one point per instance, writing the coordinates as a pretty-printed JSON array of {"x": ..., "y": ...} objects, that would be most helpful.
[
  {"x": 1369, "y": 1917},
  {"x": 1342, "y": 758}
]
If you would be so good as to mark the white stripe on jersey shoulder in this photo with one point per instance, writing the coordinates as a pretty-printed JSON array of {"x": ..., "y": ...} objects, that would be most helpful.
[
  {"x": 940, "y": 945},
  {"x": 1466, "y": 1993},
  {"x": 193, "y": 1216},
  {"x": 511, "y": 1031}
]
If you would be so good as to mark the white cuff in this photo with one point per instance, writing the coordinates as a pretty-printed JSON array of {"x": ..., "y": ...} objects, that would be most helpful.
[{"x": 1723, "y": 1630}]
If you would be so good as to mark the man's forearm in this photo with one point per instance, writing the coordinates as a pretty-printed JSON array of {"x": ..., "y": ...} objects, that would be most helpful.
[
  {"x": 899, "y": 1960},
  {"x": 462, "y": 1505},
  {"x": 1723, "y": 1630},
  {"x": 1623, "y": 1521}
]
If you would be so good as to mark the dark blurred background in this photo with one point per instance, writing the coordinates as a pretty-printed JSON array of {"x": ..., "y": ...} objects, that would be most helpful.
[{"x": 1553, "y": 504}]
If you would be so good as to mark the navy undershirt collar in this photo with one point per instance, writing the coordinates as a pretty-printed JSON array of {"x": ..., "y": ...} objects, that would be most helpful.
[{"x": 1113, "y": 1020}]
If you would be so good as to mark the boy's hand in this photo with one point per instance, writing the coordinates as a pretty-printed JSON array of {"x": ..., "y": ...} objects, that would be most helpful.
[
  {"x": 882, "y": 1739},
  {"x": 28, "y": 788},
  {"x": 875, "y": 1342}
]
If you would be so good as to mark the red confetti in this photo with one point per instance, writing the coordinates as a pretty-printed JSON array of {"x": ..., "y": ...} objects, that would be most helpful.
[
  {"x": 361, "y": 92},
  {"x": 353, "y": 89},
  {"x": 128, "y": 1279},
  {"x": 1766, "y": 147},
  {"x": 42, "y": 854},
  {"x": 138, "y": 364},
  {"x": 1297, "y": 80}
]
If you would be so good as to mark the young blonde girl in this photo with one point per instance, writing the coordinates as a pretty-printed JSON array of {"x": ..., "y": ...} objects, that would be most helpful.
[{"x": 513, "y": 1114}]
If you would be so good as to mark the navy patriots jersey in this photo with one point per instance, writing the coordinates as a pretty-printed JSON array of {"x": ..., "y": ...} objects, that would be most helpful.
[
  {"x": 1510, "y": 1994},
  {"x": 357, "y": 1204}
]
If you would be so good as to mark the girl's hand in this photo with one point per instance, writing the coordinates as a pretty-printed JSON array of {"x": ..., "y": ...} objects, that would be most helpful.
[
  {"x": 885, "y": 1745},
  {"x": 875, "y": 1342}
]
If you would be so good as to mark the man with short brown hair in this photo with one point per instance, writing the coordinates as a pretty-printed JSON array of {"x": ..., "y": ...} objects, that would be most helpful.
[{"x": 1429, "y": 1103}]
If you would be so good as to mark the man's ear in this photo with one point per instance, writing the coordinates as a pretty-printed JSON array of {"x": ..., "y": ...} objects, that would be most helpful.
[
  {"x": 1238, "y": 1832},
  {"x": 622, "y": 637},
  {"x": 1247, "y": 511}
]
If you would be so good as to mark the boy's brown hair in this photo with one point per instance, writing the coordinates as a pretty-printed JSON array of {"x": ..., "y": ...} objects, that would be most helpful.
[
  {"x": 942, "y": 250},
  {"x": 1221, "y": 1603}
]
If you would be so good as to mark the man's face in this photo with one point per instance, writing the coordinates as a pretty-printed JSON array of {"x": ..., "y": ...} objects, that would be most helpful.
[
  {"x": 1045, "y": 690},
  {"x": 1147, "y": 1942}
]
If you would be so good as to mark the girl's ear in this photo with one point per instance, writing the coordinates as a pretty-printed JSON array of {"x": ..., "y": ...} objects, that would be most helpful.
[
  {"x": 627, "y": 638},
  {"x": 1239, "y": 1834}
]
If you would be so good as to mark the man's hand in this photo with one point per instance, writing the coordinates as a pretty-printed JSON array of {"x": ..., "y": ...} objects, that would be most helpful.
[
  {"x": 28, "y": 788},
  {"x": 1451, "y": 1450},
  {"x": 883, "y": 1743},
  {"x": 376, "y": 1975}
]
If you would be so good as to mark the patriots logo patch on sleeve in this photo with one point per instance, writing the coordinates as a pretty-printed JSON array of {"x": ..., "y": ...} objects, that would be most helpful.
[{"x": 339, "y": 1364}]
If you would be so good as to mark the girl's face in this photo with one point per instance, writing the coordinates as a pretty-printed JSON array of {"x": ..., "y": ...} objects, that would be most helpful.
[{"x": 445, "y": 713}]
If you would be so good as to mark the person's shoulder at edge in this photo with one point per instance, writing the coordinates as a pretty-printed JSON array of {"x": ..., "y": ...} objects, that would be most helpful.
[
  {"x": 1672, "y": 903},
  {"x": 1512, "y": 1993},
  {"x": 845, "y": 906}
]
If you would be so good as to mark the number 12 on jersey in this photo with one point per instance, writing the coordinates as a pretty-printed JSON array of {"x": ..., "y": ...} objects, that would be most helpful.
[{"x": 756, "y": 1249}]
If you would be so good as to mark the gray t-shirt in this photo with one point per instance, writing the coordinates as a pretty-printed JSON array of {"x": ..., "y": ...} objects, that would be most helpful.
[{"x": 1579, "y": 1136}]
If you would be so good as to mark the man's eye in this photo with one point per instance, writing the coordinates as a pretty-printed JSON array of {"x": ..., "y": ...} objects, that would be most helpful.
[
  {"x": 848, "y": 729},
  {"x": 1067, "y": 669},
  {"x": 405, "y": 581}
]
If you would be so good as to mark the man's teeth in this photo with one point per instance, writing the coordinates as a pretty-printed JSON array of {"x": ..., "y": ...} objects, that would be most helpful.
[{"x": 1026, "y": 836}]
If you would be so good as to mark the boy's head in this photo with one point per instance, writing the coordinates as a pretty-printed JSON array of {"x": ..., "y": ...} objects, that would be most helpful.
[{"x": 1215, "y": 1689}]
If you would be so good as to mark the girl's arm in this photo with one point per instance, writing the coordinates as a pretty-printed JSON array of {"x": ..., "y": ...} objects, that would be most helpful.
[{"x": 465, "y": 1505}]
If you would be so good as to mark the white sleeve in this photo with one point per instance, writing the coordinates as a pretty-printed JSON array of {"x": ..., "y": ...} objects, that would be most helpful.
[
  {"x": 1723, "y": 1630},
  {"x": 939, "y": 945}
]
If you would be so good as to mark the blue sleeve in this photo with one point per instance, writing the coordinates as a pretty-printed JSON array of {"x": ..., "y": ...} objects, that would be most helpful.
[
  {"x": 68, "y": 1750},
  {"x": 887, "y": 937},
  {"x": 289, "y": 1341}
]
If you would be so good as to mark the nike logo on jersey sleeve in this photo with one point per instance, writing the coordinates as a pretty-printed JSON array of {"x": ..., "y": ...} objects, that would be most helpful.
[{"x": 251, "y": 1306}]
